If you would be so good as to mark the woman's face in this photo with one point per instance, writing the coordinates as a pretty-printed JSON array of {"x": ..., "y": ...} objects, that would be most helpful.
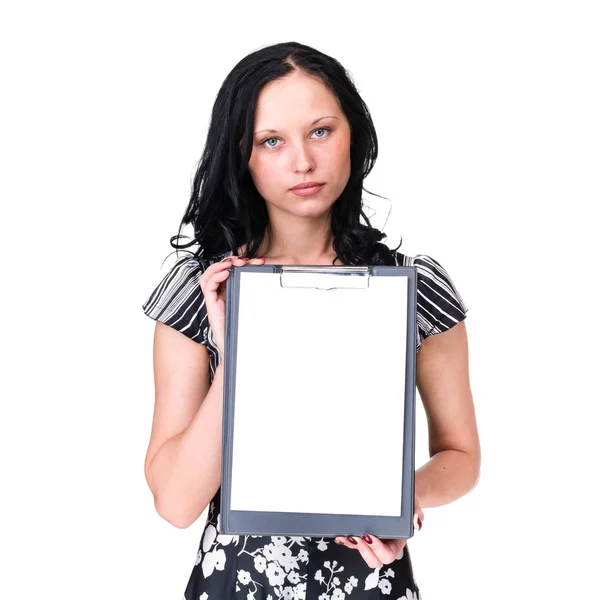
[{"x": 310, "y": 142}]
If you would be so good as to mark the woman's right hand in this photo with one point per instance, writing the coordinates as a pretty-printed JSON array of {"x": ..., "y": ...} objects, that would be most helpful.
[{"x": 214, "y": 292}]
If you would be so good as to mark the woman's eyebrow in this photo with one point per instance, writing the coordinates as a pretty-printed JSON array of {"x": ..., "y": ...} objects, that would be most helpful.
[{"x": 313, "y": 123}]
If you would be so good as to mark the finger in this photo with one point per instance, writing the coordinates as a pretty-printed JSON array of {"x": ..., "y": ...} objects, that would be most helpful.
[
  {"x": 395, "y": 547},
  {"x": 218, "y": 272},
  {"x": 344, "y": 541},
  {"x": 386, "y": 551},
  {"x": 229, "y": 260},
  {"x": 238, "y": 260},
  {"x": 210, "y": 282},
  {"x": 418, "y": 520},
  {"x": 369, "y": 556},
  {"x": 222, "y": 266},
  {"x": 242, "y": 261},
  {"x": 225, "y": 263}
]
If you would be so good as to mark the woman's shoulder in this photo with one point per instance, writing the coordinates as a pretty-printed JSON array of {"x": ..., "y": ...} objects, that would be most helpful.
[
  {"x": 439, "y": 303},
  {"x": 177, "y": 299}
]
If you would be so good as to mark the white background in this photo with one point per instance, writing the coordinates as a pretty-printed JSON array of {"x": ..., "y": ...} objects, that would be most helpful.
[{"x": 488, "y": 123}]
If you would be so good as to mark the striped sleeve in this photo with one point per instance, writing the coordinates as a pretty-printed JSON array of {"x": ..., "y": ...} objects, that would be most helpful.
[
  {"x": 439, "y": 303},
  {"x": 178, "y": 300}
]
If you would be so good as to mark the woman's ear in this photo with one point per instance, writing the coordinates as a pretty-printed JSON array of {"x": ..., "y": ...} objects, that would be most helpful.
[{"x": 242, "y": 146}]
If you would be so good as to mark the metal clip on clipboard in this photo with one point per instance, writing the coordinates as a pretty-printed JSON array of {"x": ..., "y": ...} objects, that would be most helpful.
[{"x": 324, "y": 278}]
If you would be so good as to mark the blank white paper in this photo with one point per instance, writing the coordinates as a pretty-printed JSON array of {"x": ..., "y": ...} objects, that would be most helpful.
[{"x": 319, "y": 399}]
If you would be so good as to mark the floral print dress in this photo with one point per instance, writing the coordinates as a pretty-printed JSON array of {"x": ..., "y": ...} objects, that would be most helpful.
[{"x": 252, "y": 567}]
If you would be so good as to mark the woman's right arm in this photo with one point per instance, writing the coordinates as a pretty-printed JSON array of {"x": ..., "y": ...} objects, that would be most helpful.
[{"x": 183, "y": 462}]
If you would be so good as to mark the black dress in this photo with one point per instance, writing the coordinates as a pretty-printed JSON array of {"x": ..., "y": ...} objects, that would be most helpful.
[{"x": 232, "y": 567}]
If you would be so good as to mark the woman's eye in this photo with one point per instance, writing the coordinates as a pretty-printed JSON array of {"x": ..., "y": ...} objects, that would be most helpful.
[
  {"x": 265, "y": 143},
  {"x": 322, "y": 129}
]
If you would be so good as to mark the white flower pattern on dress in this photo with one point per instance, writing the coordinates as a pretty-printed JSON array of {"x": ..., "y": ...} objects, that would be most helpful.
[
  {"x": 331, "y": 581},
  {"x": 410, "y": 595},
  {"x": 277, "y": 560},
  {"x": 278, "y": 567}
]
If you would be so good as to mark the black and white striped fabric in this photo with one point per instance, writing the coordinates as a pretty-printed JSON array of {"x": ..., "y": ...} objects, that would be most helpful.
[
  {"x": 439, "y": 303},
  {"x": 178, "y": 301}
]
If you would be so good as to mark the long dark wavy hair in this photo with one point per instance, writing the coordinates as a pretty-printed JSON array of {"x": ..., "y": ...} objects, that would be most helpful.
[{"x": 226, "y": 209}]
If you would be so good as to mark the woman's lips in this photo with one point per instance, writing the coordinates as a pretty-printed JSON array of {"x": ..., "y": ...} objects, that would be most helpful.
[{"x": 308, "y": 191}]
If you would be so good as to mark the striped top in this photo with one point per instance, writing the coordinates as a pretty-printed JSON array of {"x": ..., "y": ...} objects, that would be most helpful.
[
  {"x": 439, "y": 303},
  {"x": 178, "y": 301}
]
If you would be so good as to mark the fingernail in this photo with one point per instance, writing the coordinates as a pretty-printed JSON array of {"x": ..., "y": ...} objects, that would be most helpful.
[
  {"x": 367, "y": 539},
  {"x": 338, "y": 542},
  {"x": 353, "y": 540}
]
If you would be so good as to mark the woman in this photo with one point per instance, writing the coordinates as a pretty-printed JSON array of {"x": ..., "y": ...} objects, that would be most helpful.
[{"x": 288, "y": 116}]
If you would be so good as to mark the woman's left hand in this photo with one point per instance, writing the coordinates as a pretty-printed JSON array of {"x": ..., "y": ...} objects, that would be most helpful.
[{"x": 379, "y": 551}]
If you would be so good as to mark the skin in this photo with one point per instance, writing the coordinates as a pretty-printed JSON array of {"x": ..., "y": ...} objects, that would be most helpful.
[
  {"x": 297, "y": 152},
  {"x": 300, "y": 151}
]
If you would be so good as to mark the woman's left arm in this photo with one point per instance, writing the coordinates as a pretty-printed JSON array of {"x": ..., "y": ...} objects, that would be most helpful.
[
  {"x": 453, "y": 469},
  {"x": 445, "y": 390}
]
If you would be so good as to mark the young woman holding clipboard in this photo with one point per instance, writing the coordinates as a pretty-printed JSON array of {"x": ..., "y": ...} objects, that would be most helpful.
[{"x": 280, "y": 181}]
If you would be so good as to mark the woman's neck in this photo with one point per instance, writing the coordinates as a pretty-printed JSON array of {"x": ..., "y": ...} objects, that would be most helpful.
[{"x": 326, "y": 258}]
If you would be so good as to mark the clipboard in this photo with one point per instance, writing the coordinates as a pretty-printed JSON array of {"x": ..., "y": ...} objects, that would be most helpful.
[{"x": 319, "y": 401}]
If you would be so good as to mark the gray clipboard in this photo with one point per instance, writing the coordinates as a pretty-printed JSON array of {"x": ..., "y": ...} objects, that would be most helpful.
[{"x": 319, "y": 401}]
